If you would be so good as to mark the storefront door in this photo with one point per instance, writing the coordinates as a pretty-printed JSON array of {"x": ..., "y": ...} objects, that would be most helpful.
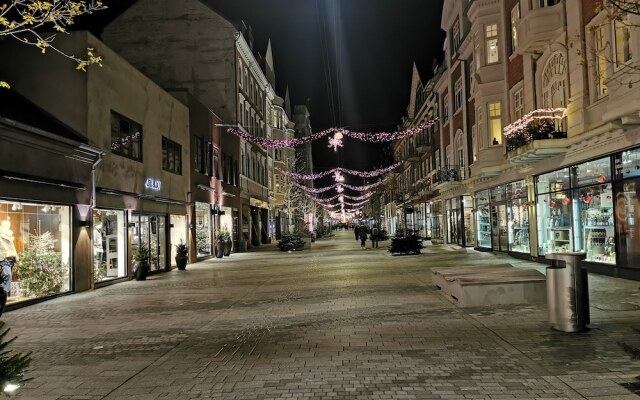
[{"x": 150, "y": 231}]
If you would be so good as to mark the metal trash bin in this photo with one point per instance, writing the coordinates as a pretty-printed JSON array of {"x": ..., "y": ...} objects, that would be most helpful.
[{"x": 567, "y": 292}]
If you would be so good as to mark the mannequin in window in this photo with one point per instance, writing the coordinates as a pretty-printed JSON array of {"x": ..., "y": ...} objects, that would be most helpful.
[
  {"x": 495, "y": 141},
  {"x": 8, "y": 252}
]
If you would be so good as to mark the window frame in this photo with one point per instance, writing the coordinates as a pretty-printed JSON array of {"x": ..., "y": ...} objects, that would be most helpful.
[
  {"x": 121, "y": 118},
  {"x": 515, "y": 17},
  {"x": 457, "y": 99},
  {"x": 492, "y": 117},
  {"x": 491, "y": 34},
  {"x": 171, "y": 149}
]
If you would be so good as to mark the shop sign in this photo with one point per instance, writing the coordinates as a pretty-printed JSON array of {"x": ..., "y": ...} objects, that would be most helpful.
[{"x": 153, "y": 184}]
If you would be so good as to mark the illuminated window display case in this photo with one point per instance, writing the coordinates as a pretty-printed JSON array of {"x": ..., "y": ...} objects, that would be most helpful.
[
  {"x": 483, "y": 219},
  {"x": 554, "y": 211},
  {"x": 592, "y": 200},
  {"x": 38, "y": 237},
  {"x": 109, "y": 245},
  {"x": 518, "y": 217}
]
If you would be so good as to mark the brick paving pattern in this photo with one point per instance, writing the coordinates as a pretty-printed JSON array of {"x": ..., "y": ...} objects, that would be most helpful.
[{"x": 336, "y": 322}]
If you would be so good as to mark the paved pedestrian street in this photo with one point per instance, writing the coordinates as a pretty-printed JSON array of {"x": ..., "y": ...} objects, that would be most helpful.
[{"x": 333, "y": 322}]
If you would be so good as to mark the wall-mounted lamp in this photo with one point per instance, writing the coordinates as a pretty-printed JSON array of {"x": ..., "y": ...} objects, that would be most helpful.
[
  {"x": 85, "y": 224},
  {"x": 171, "y": 226},
  {"x": 131, "y": 225}
]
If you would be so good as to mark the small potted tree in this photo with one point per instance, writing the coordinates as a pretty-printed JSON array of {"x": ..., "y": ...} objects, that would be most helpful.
[
  {"x": 182, "y": 255},
  {"x": 220, "y": 244},
  {"x": 228, "y": 243},
  {"x": 141, "y": 266}
]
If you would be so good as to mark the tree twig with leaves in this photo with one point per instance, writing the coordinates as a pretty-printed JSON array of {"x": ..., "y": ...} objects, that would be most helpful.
[{"x": 28, "y": 20}]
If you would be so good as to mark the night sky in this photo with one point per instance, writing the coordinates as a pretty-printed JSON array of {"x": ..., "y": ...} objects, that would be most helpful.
[{"x": 349, "y": 61}]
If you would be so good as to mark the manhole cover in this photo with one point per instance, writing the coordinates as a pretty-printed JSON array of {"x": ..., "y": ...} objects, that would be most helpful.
[{"x": 617, "y": 307}]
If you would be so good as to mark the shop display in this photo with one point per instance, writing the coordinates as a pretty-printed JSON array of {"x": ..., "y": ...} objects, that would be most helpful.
[
  {"x": 203, "y": 229},
  {"x": 484, "y": 227},
  {"x": 518, "y": 217},
  {"x": 596, "y": 220},
  {"x": 38, "y": 236},
  {"x": 108, "y": 245}
]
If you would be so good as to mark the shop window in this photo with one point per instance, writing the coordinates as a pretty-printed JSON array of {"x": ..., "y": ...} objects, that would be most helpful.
[
  {"x": 109, "y": 245},
  {"x": 553, "y": 181},
  {"x": 150, "y": 231},
  {"x": 36, "y": 240},
  {"x": 491, "y": 42},
  {"x": 518, "y": 217},
  {"x": 554, "y": 222},
  {"x": 483, "y": 216},
  {"x": 627, "y": 228},
  {"x": 172, "y": 156},
  {"x": 203, "y": 229},
  {"x": 628, "y": 165},
  {"x": 126, "y": 137},
  {"x": 178, "y": 234},
  {"x": 594, "y": 233}
]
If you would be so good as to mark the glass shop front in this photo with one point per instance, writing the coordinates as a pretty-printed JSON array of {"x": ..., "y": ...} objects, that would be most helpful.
[
  {"x": 502, "y": 218},
  {"x": 204, "y": 242},
  {"x": 35, "y": 249},
  {"x": 109, "y": 245},
  {"x": 437, "y": 217},
  {"x": 576, "y": 211},
  {"x": 150, "y": 231}
]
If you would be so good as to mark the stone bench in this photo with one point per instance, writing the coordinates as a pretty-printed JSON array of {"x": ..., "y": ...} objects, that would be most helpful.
[
  {"x": 441, "y": 276},
  {"x": 490, "y": 285}
]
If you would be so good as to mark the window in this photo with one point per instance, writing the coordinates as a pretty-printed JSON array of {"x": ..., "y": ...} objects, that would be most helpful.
[
  {"x": 491, "y": 40},
  {"x": 457, "y": 100},
  {"x": 207, "y": 160},
  {"x": 126, "y": 137},
  {"x": 599, "y": 43},
  {"x": 171, "y": 156},
  {"x": 548, "y": 3},
  {"x": 239, "y": 73},
  {"x": 455, "y": 33},
  {"x": 445, "y": 108},
  {"x": 515, "y": 17},
  {"x": 216, "y": 166},
  {"x": 622, "y": 39},
  {"x": 495, "y": 122},
  {"x": 199, "y": 154},
  {"x": 518, "y": 107}
]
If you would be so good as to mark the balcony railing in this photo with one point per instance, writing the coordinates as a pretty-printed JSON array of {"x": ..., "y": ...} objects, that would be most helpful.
[
  {"x": 537, "y": 125},
  {"x": 451, "y": 173}
]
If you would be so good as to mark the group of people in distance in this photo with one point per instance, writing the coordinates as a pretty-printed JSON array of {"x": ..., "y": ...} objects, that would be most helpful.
[{"x": 362, "y": 232}]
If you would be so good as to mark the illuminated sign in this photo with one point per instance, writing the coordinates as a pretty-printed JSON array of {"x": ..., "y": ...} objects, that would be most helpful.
[{"x": 153, "y": 184}]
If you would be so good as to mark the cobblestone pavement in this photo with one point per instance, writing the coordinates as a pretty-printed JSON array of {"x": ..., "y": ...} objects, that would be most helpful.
[{"x": 335, "y": 322}]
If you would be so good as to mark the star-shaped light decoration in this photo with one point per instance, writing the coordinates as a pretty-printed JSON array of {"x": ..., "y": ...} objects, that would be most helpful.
[
  {"x": 336, "y": 141},
  {"x": 338, "y": 176},
  {"x": 339, "y": 188}
]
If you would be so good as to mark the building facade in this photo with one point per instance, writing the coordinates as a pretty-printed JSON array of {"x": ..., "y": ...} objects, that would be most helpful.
[{"x": 538, "y": 119}]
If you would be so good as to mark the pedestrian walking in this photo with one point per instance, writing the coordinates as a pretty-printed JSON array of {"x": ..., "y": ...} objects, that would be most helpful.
[
  {"x": 375, "y": 236},
  {"x": 355, "y": 230},
  {"x": 362, "y": 231}
]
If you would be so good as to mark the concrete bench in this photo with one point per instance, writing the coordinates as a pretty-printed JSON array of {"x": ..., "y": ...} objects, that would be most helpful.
[
  {"x": 441, "y": 276},
  {"x": 517, "y": 286},
  {"x": 491, "y": 284}
]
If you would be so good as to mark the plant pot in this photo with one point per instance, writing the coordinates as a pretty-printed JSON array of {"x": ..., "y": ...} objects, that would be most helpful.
[
  {"x": 228, "y": 244},
  {"x": 220, "y": 248},
  {"x": 181, "y": 262},
  {"x": 3, "y": 300},
  {"x": 141, "y": 270}
]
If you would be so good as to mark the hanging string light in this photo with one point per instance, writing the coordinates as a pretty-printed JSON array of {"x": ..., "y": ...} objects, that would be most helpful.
[
  {"x": 337, "y": 137},
  {"x": 361, "y": 188},
  {"x": 362, "y": 174}
]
